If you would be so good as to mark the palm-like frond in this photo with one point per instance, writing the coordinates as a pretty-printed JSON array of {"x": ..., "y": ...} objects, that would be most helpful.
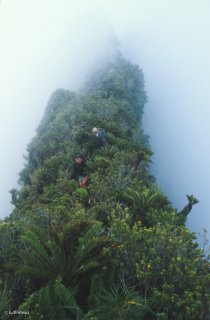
[
  {"x": 87, "y": 250},
  {"x": 141, "y": 200},
  {"x": 192, "y": 200},
  {"x": 53, "y": 301},
  {"x": 40, "y": 260},
  {"x": 5, "y": 303},
  {"x": 73, "y": 253}
]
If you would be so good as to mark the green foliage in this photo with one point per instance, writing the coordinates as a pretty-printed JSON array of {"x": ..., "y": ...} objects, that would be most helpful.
[
  {"x": 192, "y": 199},
  {"x": 115, "y": 249},
  {"x": 72, "y": 253},
  {"x": 53, "y": 302},
  {"x": 81, "y": 194},
  {"x": 170, "y": 269},
  {"x": 144, "y": 200},
  {"x": 120, "y": 80},
  {"x": 38, "y": 261},
  {"x": 119, "y": 303},
  {"x": 5, "y": 302}
]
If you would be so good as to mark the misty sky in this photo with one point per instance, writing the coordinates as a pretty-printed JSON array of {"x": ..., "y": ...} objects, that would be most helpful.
[{"x": 49, "y": 44}]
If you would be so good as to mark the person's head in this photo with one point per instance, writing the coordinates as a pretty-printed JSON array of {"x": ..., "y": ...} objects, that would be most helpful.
[
  {"x": 95, "y": 131},
  {"x": 79, "y": 159}
]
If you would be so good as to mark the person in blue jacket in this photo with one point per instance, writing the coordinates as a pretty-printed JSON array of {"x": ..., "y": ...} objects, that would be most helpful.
[{"x": 99, "y": 135}]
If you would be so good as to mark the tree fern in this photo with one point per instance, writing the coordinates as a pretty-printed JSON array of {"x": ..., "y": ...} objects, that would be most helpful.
[
  {"x": 5, "y": 302},
  {"x": 39, "y": 260},
  {"x": 52, "y": 302},
  {"x": 142, "y": 201}
]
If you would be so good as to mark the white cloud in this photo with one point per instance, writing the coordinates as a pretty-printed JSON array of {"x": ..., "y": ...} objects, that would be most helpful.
[{"x": 49, "y": 44}]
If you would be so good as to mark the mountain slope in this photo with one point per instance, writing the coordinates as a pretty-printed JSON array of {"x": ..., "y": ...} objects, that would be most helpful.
[{"x": 114, "y": 248}]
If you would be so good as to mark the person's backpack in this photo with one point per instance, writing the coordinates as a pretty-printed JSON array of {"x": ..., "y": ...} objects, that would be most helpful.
[{"x": 101, "y": 134}]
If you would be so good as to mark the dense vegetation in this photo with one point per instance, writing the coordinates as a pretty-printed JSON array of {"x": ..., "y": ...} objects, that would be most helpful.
[{"x": 115, "y": 249}]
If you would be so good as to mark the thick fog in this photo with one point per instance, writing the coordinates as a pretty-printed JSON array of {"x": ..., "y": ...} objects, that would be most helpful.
[{"x": 52, "y": 44}]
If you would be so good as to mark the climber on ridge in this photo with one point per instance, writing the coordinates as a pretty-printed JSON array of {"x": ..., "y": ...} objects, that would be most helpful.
[
  {"x": 99, "y": 134},
  {"x": 77, "y": 171}
]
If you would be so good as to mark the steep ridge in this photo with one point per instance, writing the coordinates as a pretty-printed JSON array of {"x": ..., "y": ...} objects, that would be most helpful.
[{"x": 91, "y": 235}]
